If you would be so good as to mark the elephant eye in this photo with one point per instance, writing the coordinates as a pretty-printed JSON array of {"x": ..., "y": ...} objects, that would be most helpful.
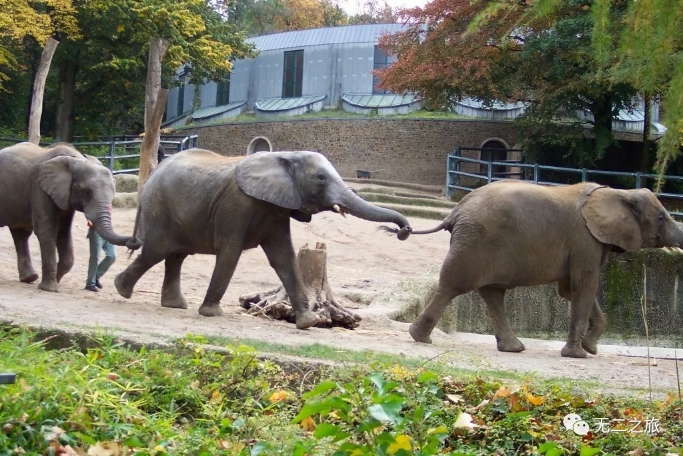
[{"x": 321, "y": 178}]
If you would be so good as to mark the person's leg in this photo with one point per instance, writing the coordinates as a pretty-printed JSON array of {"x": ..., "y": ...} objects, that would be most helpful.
[
  {"x": 109, "y": 259},
  {"x": 95, "y": 246}
]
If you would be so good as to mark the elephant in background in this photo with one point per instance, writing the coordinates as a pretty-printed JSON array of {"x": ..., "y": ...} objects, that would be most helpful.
[
  {"x": 200, "y": 202},
  {"x": 509, "y": 234},
  {"x": 42, "y": 188}
]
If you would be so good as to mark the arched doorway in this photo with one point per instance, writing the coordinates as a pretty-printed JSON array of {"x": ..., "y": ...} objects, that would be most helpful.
[
  {"x": 259, "y": 144},
  {"x": 494, "y": 150}
]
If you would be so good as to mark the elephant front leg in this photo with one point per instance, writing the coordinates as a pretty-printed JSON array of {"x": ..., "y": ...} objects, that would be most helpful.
[
  {"x": 506, "y": 339},
  {"x": 26, "y": 272},
  {"x": 584, "y": 287},
  {"x": 65, "y": 249},
  {"x": 48, "y": 255},
  {"x": 226, "y": 262},
  {"x": 280, "y": 252},
  {"x": 171, "y": 296}
]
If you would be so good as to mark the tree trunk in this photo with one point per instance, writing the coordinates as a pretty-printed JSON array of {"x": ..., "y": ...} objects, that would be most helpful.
[
  {"x": 602, "y": 127},
  {"x": 39, "y": 88},
  {"x": 155, "y": 103},
  {"x": 67, "y": 88},
  {"x": 645, "y": 154},
  {"x": 313, "y": 266}
]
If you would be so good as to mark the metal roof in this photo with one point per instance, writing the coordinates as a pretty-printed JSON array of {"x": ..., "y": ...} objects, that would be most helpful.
[
  {"x": 497, "y": 105},
  {"x": 284, "y": 104},
  {"x": 211, "y": 111},
  {"x": 366, "y": 100},
  {"x": 362, "y": 33}
]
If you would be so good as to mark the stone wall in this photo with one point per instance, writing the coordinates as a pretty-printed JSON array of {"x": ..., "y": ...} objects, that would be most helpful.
[{"x": 408, "y": 150}]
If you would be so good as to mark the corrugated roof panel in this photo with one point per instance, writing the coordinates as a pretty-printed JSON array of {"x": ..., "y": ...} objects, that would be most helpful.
[
  {"x": 366, "y": 100},
  {"x": 283, "y": 104},
  {"x": 362, "y": 33},
  {"x": 211, "y": 111}
]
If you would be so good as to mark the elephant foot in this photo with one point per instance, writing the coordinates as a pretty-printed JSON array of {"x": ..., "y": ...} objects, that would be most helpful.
[
  {"x": 573, "y": 351},
  {"x": 591, "y": 346},
  {"x": 29, "y": 277},
  {"x": 419, "y": 336},
  {"x": 511, "y": 345},
  {"x": 123, "y": 290},
  {"x": 306, "y": 319},
  {"x": 213, "y": 310},
  {"x": 49, "y": 286},
  {"x": 173, "y": 302}
]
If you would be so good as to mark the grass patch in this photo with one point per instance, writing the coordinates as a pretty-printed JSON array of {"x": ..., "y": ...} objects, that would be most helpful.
[
  {"x": 106, "y": 397},
  {"x": 385, "y": 198}
]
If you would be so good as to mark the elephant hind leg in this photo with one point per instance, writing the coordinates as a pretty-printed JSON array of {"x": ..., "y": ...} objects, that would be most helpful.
[
  {"x": 596, "y": 326},
  {"x": 125, "y": 280},
  {"x": 226, "y": 263},
  {"x": 26, "y": 272},
  {"x": 506, "y": 339},
  {"x": 171, "y": 296},
  {"x": 421, "y": 329}
]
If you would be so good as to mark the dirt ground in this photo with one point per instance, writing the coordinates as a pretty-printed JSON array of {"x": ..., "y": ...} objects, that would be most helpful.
[{"x": 361, "y": 261}]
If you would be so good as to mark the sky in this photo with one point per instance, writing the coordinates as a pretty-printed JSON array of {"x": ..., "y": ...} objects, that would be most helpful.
[{"x": 352, "y": 6}]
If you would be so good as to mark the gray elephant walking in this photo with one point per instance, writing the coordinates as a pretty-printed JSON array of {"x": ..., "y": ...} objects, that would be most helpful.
[
  {"x": 198, "y": 201},
  {"x": 509, "y": 234},
  {"x": 41, "y": 189}
]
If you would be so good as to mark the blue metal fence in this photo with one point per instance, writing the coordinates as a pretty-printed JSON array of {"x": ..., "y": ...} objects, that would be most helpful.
[
  {"x": 532, "y": 173},
  {"x": 125, "y": 151}
]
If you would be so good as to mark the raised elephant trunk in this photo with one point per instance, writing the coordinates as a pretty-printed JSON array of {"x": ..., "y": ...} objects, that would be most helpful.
[
  {"x": 101, "y": 218},
  {"x": 357, "y": 206}
]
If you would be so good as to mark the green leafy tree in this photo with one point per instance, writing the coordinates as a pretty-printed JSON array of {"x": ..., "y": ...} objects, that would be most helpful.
[{"x": 492, "y": 52}]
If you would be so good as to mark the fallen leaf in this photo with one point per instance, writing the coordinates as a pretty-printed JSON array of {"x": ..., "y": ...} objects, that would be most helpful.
[
  {"x": 308, "y": 424},
  {"x": 52, "y": 433},
  {"x": 535, "y": 400},
  {"x": 278, "y": 396},
  {"x": 105, "y": 449},
  {"x": 401, "y": 442},
  {"x": 464, "y": 421},
  {"x": 216, "y": 396},
  {"x": 112, "y": 376},
  {"x": 503, "y": 391},
  {"x": 455, "y": 398}
]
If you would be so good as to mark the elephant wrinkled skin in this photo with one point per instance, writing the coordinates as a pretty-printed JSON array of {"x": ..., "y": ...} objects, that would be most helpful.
[
  {"x": 509, "y": 233},
  {"x": 198, "y": 201},
  {"x": 41, "y": 189}
]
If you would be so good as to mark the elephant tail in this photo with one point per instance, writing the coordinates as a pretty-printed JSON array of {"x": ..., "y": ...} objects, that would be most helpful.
[
  {"x": 135, "y": 228},
  {"x": 445, "y": 225}
]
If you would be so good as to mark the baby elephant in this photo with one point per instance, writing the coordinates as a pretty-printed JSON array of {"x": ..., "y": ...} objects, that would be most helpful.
[{"x": 509, "y": 234}]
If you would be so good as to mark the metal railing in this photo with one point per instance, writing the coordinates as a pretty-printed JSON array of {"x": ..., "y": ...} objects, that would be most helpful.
[
  {"x": 532, "y": 173},
  {"x": 122, "y": 149}
]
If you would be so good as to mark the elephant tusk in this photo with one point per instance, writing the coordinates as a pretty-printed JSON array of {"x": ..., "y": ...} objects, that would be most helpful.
[{"x": 338, "y": 209}]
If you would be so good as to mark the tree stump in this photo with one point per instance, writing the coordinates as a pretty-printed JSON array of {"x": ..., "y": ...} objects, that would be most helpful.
[{"x": 313, "y": 266}]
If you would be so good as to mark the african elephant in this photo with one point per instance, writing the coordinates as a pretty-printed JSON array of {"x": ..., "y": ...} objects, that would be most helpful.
[
  {"x": 41, "y": 189},
  {"x": 198, "y": 201},
  {"x": 509, "y": 233}
]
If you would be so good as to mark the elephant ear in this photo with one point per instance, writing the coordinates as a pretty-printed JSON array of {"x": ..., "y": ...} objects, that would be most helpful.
[
  {"x": 612, "y": 217},
  {"x": 54, "y": 178},
  {"x": 270, "y": 177}
]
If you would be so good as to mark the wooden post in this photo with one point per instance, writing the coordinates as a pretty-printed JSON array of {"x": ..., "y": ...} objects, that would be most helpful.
[{"x": 39, "y": 89}]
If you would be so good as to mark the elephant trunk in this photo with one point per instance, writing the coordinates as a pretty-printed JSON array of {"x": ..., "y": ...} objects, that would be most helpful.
[
  {"x": 357, "y": 206},
  {"x": 678, "y": 235},
  {"x": 101, "y": 219}
]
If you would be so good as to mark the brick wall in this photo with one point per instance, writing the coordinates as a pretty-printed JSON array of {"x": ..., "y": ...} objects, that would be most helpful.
[{"x": 408, "y": 150}]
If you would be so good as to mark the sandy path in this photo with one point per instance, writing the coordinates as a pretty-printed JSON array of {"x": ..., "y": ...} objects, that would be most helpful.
[{"x": 361, "y": 260}]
